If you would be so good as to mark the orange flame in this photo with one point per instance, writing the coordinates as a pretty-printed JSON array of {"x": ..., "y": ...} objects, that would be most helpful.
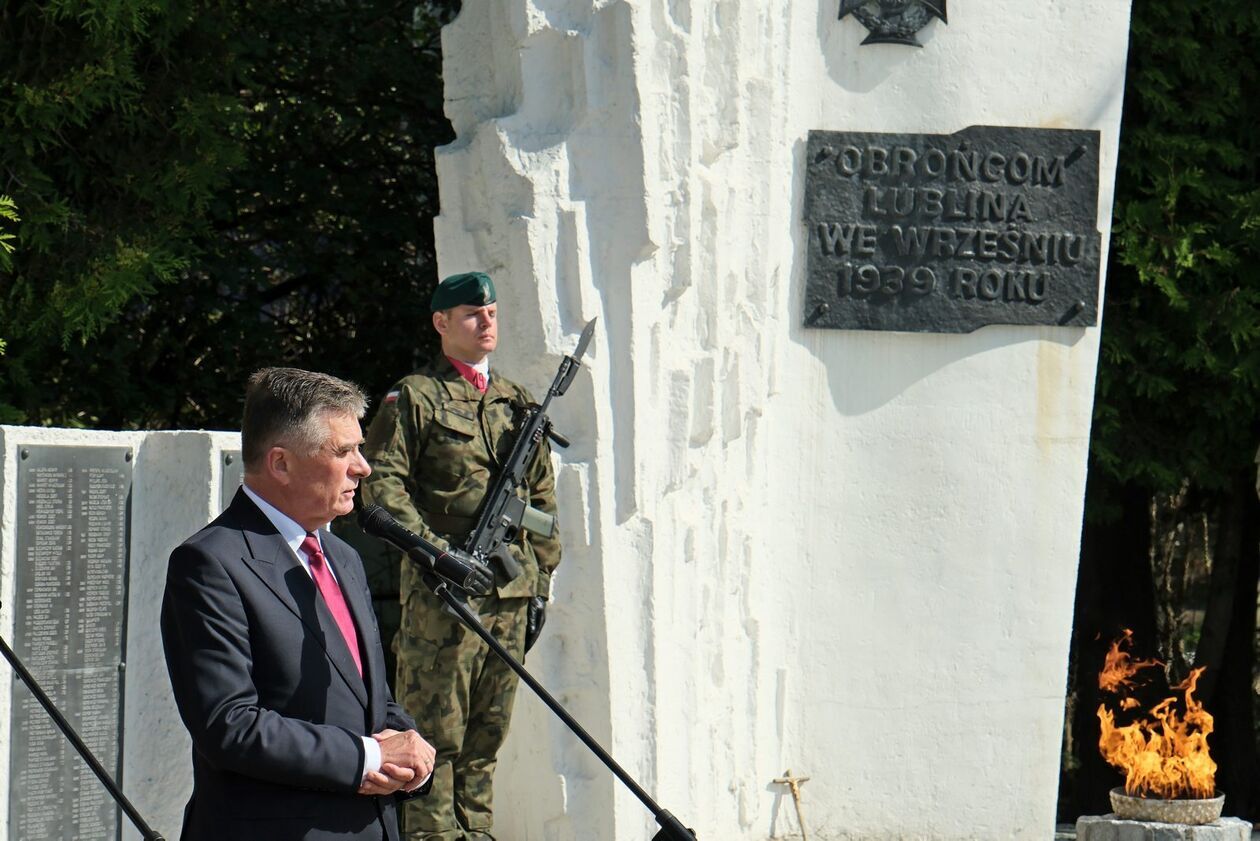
[
  {"x": 1163, "y": 754},
  {"x": 1119, "y": 668}
]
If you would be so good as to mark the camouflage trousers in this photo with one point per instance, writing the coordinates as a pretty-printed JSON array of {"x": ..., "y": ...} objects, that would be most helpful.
[{"x": 460, "y": 694}]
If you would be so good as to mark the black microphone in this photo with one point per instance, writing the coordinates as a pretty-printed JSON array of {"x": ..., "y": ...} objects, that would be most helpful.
[{"x": 455, "y": 566}]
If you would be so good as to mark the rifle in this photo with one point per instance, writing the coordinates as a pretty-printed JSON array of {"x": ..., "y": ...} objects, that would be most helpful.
[{"x": 503, "y": 514}]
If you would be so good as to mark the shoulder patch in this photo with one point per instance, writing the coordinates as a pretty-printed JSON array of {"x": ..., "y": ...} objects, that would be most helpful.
[{"x": 392, "y": 397}]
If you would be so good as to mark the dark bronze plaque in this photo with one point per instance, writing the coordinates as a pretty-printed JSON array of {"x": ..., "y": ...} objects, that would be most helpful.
[
  {"x": 947, "y": 233},
  {"x": 231, "y": 474},
  {"x": 73, "y": 527}
]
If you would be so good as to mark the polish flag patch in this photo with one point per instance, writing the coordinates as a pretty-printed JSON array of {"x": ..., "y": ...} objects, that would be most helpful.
[{"x": 392, "y": 397}]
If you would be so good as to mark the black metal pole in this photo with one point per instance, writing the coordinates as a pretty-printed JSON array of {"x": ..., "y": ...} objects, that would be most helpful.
[
  {"x": 84, "y": 751},
  {"x": 671, "y": 829}
]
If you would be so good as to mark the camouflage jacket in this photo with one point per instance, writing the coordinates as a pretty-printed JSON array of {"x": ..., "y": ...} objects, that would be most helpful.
[{"x": 435, "y": 444}]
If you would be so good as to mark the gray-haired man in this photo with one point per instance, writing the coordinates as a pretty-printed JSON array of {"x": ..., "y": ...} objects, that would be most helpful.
[{"x": 271, "y": 643}]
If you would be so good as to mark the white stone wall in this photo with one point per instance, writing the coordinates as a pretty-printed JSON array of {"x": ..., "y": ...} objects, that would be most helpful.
[
  {"x": 848, "y": 553},
  {"x": 175, "y": 491}
]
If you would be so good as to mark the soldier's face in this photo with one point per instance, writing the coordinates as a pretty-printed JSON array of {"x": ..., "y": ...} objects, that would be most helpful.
[{"x": 468, "y": 333}]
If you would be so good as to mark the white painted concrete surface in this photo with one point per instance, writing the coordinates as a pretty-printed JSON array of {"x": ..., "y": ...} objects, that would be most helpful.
[
  {"x": 175, "y": 491},
  {"x": 848, "y": 553}
]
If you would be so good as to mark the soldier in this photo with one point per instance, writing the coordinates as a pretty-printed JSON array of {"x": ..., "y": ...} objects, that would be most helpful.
[{"x": 434, "y": 446}]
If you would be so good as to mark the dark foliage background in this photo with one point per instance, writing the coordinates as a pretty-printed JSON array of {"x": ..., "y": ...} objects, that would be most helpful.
[
  {"x": 210, "y": 187},
  {"x": 1170, "y": 544}
]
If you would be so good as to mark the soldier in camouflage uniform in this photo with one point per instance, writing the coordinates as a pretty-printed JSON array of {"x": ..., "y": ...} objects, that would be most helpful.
[{"x": 435, "y": 444}]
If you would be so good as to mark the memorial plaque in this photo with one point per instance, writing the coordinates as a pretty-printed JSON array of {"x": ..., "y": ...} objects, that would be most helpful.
[
  {"x": 69, "y": 629},
  {"x": 948, "y": 233},
  {"x": 231, "y": 474}
]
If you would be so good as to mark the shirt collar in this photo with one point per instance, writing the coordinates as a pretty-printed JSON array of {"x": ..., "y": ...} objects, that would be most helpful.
[
  {"x": 482, "y": 367},
  {"x": 289, "y": 529}
]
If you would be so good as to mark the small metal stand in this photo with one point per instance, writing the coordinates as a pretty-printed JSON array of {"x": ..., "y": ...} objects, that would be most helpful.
[
  {"x": 671, "y": 828},
  {"x": 85, "y": 752}
]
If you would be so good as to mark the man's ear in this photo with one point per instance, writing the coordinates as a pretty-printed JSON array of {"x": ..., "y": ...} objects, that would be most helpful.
[
  {"x": 439, "y": 322},
  {"x": 276, "y": 463}
]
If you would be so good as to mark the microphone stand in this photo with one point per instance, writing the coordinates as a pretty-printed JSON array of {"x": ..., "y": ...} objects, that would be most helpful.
[
  {"x": 671, "y": 829},
  {"x": 85, "y": 752}
]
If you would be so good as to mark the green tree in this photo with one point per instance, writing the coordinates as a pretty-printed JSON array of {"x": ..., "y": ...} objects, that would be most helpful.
[
  {"x": 213, "y": 187},
  {"x": 8, "y": 213},
  {"x": 117, "y": 135},
  {"x": 1175, "y": 424}
]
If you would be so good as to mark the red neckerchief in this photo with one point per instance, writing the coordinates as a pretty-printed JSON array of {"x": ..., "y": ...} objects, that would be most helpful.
[{"x": 479, "y": 380}]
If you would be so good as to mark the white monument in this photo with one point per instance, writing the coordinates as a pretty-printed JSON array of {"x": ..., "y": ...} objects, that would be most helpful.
[{"x": 850, "y": 553}]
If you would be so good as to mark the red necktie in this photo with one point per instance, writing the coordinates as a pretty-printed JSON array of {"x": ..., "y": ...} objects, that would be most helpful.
[
  {"x": 332, "y": 597},
  {"x": 479, "y": 380}
]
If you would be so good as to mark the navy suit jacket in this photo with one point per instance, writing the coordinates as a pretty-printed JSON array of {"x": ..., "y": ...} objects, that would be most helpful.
[{"x": 268, "y": 690}]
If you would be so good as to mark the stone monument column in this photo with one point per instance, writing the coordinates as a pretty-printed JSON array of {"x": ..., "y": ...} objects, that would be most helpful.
[{"x": 842, "y": 539}]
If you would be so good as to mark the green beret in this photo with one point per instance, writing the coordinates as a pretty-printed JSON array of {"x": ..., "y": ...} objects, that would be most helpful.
[{"x": 472, "y": 288}]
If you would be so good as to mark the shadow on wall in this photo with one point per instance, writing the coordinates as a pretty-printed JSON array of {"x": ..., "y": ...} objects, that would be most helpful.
[
  {"x": 866, "y": 371},
  {"x": 858, "y": 68}
]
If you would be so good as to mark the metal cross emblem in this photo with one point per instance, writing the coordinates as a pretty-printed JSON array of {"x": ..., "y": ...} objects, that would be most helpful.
[{"x": 893, "y": 21}]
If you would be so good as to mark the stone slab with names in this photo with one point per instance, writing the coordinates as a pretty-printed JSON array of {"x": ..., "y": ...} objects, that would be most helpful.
[
  {"x": 70, "y": 619},
  {"x": 948, "y": 233}
]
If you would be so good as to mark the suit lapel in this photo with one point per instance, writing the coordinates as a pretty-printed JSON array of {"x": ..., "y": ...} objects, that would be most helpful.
[{"x": 270, "y": 558}]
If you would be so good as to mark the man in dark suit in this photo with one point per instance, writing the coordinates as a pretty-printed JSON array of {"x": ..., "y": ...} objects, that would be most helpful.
[{"x": 271, "y": 644}]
